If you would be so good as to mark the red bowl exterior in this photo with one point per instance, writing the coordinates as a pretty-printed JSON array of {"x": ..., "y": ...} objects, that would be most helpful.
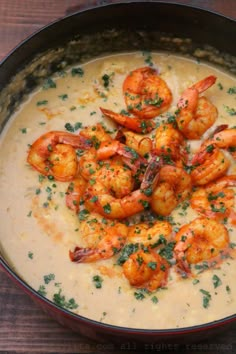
[{"x": 89, "y": 328}]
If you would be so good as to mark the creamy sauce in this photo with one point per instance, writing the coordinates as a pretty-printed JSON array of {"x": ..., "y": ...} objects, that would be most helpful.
[{"x": 37, "y": 229}]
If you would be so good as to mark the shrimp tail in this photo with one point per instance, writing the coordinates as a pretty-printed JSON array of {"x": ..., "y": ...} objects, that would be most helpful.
[
  {"x": 133, "y": 123},
  {"x": 190, "y": 96},
  {"x": 183, "y": 268},
  {"x": 201, "y": 156},
  {"x": 109, "y": 149},
  {"x": 218, "y": 129},
  {"x": 204, "y": 84},
  {"x": 151, "y": 175},
  {"x": 131, "y": 158},
  {"x": 74, "y": 193},
  {"x": 82, "y": 255}
]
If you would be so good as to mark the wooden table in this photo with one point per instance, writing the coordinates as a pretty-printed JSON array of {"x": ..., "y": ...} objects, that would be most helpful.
[{"x": 24, "y": 328}]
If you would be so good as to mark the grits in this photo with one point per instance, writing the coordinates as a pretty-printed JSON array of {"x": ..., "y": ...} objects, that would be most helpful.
[{"x": 38, "y": 230}]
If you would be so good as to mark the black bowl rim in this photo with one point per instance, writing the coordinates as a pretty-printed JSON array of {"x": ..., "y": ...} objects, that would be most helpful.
[
  {"x": 92, "y": 7},
  {"x": 41, "y": 299}
]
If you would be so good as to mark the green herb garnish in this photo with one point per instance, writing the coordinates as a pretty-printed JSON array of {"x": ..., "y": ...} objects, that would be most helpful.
[
  {"x": 77, "y": 72},
  {"x": 48, "y": 278},
  {"x": 61, "y": 301},
  {"x": 49, "y": 83},
  {"x": 97, "y": 280},
  {"x": 206, "y": 298},
  {"x": 216, "y": 281}
]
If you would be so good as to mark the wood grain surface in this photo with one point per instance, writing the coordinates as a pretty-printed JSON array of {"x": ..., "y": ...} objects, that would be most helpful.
[{"x": 24, "y": 328}]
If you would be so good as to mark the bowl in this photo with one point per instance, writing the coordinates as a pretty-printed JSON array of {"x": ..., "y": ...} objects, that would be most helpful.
[{"x": 151, "y": 26}]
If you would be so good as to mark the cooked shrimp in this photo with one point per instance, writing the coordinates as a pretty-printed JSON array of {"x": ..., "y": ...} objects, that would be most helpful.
[
  {"x": 53, "y": 154},
  {"x": 215, "y": 200},
  {"x": 150, "y": 235},
  {"x": 104, "y": 239},
  {"x": 170, "y": 144},
  {"x": 208, "y": 164},
  {"x": 117, "y": 178},
  {"x": 99, "y": 198},
  {"x": 223, "y": 138},
  {"x": 143, "y": 145},
  {"x": 146, "y": 94},
  {"x": 96, "y": 134},
  {"x": 174, "y": 186},
  {"x": 89, "y": 162},
  {"x": 75, "y": 193},
  {"x": 133, "y": 123},
  {"x": 146, "y": 269},
  {"x": 196, "y": 114},
  {"x": 114, "y": 175},
  {"x": 200, "y": 240}
]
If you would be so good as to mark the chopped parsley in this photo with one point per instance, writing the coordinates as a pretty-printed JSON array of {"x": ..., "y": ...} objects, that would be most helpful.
[
  {"x": 77, "y": 72},
  {"x": 152, "y": 265},
  {"x": 232, "y": 90},
  {"x": 37, "y": 191},
  {"x": 49, "y": 83},
  {"x": 206, "y": 298},
  {"x": 126, "y": 252},
  {"x": 41, "y": 103},
  {"x": 42, "y": 290},
  {"x": 97, "y": 280},
  {"x": 107, "y": 208},
  {"x": 72, "y": 128},
  {"x": 103, "y": 316},
  {"x": 48, "y": 278},
  {"x": 61, "y": 301},
  {"x": 83, "y": 214},
  {"x": 148, "y": 58},
  {"x": 167, "y": 251},
  {"x": 139, "y": 295},
  {"x": 41, "y": 178},
  {"x": 201, "y": 267},
  {"x": 221, "y": 209},
  {"x": 139, "y": 260},
  {"x": 157, "y": 101},
  {"x": 216, "y": 281},
  {"x": 144, "y": 203},
  {"x": 228, "y": 289},
  {"x": 210, "y": 148},
  {"x": 232, "y": 245},
  {"x": 23, "y": 130},
  {"x": 230, "y": 111},
  {"x": 212, "y": 196},
  {"x": 63, "y": 97},
  {"x": 106, "y": 80},
  {"x": 154, "y": 299},
  {"x": 94, "y": 199},
  {"x": 30, "y": 255}
]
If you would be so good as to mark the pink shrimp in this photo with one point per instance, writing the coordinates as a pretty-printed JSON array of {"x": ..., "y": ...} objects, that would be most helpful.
[
  {"x": 216, "y": 200},
  {"x": 99, "y": 198},
  {"x": 146, "y": 94},
  {"x": 53, "y": 153},
  {"x": 196, "y": 114},
  {"x": 133, "y": 123}
]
